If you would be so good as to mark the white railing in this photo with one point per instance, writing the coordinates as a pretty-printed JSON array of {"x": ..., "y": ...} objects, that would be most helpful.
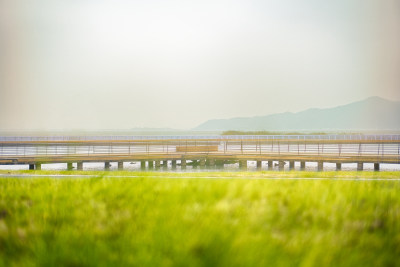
[{"x": 200, "y": 137}]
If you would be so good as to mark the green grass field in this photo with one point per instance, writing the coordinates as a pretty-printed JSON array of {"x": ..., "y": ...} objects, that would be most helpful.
[{"x": 150, "y": 220}]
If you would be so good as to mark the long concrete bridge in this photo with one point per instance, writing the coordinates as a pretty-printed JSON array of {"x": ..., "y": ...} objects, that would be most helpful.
[{"x": 154, "y": 152}]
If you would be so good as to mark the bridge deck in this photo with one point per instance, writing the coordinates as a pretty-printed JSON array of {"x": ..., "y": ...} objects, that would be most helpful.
[{"x": 338, "y": 149}]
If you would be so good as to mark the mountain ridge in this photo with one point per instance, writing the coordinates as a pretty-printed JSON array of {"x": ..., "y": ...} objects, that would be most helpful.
[{"x": 373, "y": 113}]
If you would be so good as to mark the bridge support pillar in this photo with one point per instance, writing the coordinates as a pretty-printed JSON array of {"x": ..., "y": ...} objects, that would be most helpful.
[
  {"x": 151, "y": 164},
  {"x": 320, "y": 166},
  {"x": 270, "y": 164},
  {"x": 291, "y": 165},
  {"x": 281, "y": 165},
  {"x": 243, "y": 165},
  {"x": 165, "y": 164},
  {"x": 338, "y": 166},
  {"x": 195, "y": 164},
  {"x": 31, "y": 166},
  {"x": 107, "y": 165},
  {"x": 157, "y": 164},
  {"x": 219, "y": 164},
  {"x": 69, "y": 166},
  {"x": 120, "y": 165},
  {"x": 79, "y": 166},
  {"x": 202, "y": 163},
  {"x": 38, "y": 166},
  {"x": 376, "y": 167},
  {"x": 259, "y": 164},
  {"x": 173, "y": 164},
  {"x": 360, "y": 166},
  {"x": 302, "y": 165},
  {"x": 142, "y": 164},
  {"x": 183, "y": 164},
  {"x": 211, "y": 163}
]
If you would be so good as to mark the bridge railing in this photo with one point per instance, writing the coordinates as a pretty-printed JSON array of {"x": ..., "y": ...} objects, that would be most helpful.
[
  {"x": 200, "y": 137},
  {"x": 231, "y": 145}
]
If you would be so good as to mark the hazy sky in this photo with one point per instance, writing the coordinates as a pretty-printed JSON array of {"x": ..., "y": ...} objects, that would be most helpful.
[{"x": 98, "y": 64}]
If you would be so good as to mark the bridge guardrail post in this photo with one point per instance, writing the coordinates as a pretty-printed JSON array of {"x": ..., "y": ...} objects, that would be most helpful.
[{"x": 279, "y": 148}]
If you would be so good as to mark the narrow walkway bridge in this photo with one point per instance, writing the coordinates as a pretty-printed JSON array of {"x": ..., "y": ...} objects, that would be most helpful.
[{"x": 156, "y": 151}]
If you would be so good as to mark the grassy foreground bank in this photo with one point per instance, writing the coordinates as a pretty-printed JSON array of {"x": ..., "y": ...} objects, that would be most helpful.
[
  {"x": 216, "y": 174},
  {"x": 148, "y": 221}
]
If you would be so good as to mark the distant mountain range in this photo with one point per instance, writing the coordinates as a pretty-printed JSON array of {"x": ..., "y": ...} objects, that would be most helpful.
[{"x": 373, "y": 113}]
